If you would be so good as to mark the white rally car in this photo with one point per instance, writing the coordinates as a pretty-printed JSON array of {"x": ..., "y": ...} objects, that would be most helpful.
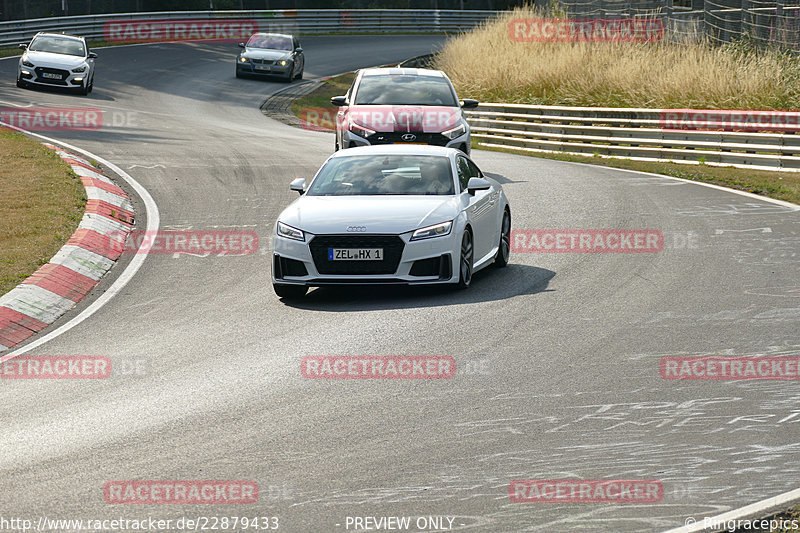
[{"x": 410, "y": 214}]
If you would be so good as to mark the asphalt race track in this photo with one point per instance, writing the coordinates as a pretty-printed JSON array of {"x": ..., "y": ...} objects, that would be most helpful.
[{"x": 557, "y": 356}]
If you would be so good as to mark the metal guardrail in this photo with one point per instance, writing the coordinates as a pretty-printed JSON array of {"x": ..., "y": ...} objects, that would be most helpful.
[
  {"x": 636, "y": 134},
  {"x": 301, "y": 22}
]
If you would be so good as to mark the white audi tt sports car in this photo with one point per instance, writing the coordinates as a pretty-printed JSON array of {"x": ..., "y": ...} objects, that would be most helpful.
[{"x": 408, "y": 214}]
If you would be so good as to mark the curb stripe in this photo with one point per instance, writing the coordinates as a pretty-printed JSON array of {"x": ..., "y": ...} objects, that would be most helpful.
[
  {"x": 16, "y": 327},
  {"x": 96, "y": 193},
  {"x": 38, "y": 303},
  {"x": 97, "y": 242},
  {"x": 62, "y": 281},
  {"x": 84, "y": 173},
  {"x": 90, "y": 264},
  {"x": 108, "y": 210},
  {"x": 105, "y": 225},
  {"x": 100, "y": 184}
]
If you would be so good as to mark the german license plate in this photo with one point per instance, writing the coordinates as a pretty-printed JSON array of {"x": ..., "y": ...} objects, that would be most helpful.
[
  {"x": 355, "y": 254},
  {"x": 263, "y": 67},
  {"x": 51, "y": 75}
]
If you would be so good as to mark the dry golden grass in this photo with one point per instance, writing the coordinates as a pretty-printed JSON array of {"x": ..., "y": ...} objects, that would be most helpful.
[
  {"x": 486, "y": 64},
  {"x": 41, "y": 204}
]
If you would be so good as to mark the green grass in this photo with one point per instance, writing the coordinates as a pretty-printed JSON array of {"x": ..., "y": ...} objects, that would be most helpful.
[{"x": 41, "y": 204}]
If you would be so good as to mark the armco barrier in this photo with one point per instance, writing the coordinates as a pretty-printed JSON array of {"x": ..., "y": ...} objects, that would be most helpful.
[
  {"x": 300, "y": 21},
  {"x": 746, "y": 139}
]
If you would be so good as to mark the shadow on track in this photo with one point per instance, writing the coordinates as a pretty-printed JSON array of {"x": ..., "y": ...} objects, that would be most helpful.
[{"x": 488, "y": 285}]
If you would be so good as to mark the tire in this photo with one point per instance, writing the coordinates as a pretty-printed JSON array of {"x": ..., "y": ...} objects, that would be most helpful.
[
  {"x": 290, "y": 292},
  {"x": 21, "y": 84},
  {"x": 83, "y": 91},
  {"x": 504, "y": 248},
  {"x": 290, "y": 75},
  {"x": 91, "y": 85},
  {"x": 299, "y": 75},
  {"x": 466, "y": 261},
  {"x": 239, "y": 74}
]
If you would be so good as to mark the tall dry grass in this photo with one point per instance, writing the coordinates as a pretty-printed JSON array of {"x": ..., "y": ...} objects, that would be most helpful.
[{"x": 486, "y": 64}]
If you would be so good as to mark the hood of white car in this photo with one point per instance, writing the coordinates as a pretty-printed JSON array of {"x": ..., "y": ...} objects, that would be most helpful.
[
  {"x": 379, "y": 214},
  {"x": 48, "y": 59},
  {"x": 260, "y": 53}
]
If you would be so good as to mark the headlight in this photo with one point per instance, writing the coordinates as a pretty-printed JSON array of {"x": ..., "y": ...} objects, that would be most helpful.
[
  {"x": 243, "y": 60},
  {"x": 283, "y": 62},
  {"x": 455, "y": 132},
  {"x": 80, "y": 69},
  {"x": 27, "y": 63},
  {"x": 289, "y": 232},
  {"x": 437, "y": 230},
  {"x": 361, "y": 131}
]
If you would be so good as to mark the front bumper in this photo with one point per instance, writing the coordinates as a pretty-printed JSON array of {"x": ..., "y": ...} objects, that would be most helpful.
[
  {"x": 351, "y": 140},
  {"x": 428, "y": 261},
  {"x": 43, "y": 76},
  {"x": 263, "y": 69}
]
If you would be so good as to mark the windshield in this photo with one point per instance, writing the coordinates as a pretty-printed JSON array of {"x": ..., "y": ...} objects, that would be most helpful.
[
  {"x": 58, "y": 45},
  {"x": 375, "y": 175},
  {"x": 402, "y": 89},
  {"x": 270, "y": 42}
]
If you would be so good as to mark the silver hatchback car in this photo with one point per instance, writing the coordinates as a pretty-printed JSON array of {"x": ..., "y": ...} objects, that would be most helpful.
[{"x": 57, "y": 60}]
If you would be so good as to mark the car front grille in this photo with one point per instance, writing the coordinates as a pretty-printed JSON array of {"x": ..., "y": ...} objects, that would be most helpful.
[
  {"x": 396, "y": 137},
  {"x": 392, "y": 252},
  {"x": 262, "y": 61},
  {"x": 42, "y": 70}
]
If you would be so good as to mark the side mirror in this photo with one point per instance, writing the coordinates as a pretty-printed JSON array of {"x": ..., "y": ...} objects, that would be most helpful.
[
  {"x": 298, "y": 185},
  {"x": 339, "y": 101},
  {"x": 469, "y": 103},
  {"x": 92, "y": 55},
  {"x": 23, "y": 46},
  {"x": 241, "y": 45},
  {"x": 477, "y": 184},
  {"x": 298, "y": 50}
]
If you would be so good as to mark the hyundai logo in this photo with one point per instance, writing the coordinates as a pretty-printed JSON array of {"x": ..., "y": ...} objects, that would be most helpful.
[
  {"x": 408, "y": 137},
  {"x": 359, "y": 229}
]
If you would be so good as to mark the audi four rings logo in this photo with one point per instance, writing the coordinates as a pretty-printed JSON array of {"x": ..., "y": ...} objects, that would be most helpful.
[
  {"x": 408, "y": 137},
  {"x": 357, "y": 228}
]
